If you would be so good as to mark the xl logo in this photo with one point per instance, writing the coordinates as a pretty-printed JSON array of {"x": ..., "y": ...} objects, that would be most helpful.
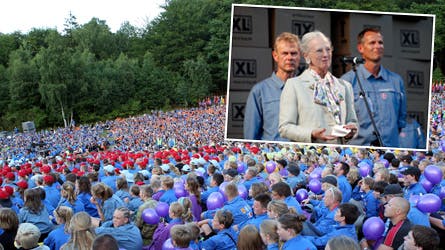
[
  {"x": 244, "y": 68},
  {"x": 300, "y": 28},
  {"x": 242, "y": 24},
  {"x": 410, "y": 38},
  {"x": 415, "y": 79},
  {"x": 238, "y": 111}
]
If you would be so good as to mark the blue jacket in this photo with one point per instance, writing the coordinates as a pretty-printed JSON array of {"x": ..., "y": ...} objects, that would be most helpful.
[
  {"x": 41, "y": 219},
  {"x": 134, "y": 204},
  {"x": 298, "y": 243},
  {"x": 76, "y": 207},
  {"x": 110, "y": 181},
  {"x": 221, "y": 241},
  {"x": 345, "y": 188},
  {"x": 52, "y": 195},
  {"x": 56, "y": 238},
  {"x": 387, "y": 100},
  {"x": 346, "y": 230},
  {"x": 240, "y": 210},
  {"x": 412, "y": 135},
  {"x": 256, "y": 221},
  {"x": 413, "y": 189},
  {"x": 169, "y": 196},
  {"x": 273, "y": 246},
  {"x": 292, "y": 202},
  {"x": 263, "y": 109},
  {"x": 128, "y": 236},
  {"x": 326, "y": 222},
  {"x": 371, "y": 204},
  {"x": 110, "y": 205},
  {"x": 123, "y": 194},
  {"x": 89, "y": 207}
]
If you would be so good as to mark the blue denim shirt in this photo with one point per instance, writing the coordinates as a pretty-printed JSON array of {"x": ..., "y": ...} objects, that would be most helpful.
[
  {"x": 262, "y": 110},
  {"x": 298, "y": 243},
  {"x": 387, "y": 100},
  {"x": 128, "y": 236},
  {"x": 221, "y": 241},
  {"x": 346, "y": 230}
]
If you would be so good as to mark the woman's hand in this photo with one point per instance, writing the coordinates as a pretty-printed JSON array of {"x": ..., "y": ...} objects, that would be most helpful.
[
  {"x": 353, "y": 129},
  {"x": 319, "y": 133}
]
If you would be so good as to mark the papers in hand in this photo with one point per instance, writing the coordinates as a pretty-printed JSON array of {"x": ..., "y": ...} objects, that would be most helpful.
[{"x": 340, "y": 131}]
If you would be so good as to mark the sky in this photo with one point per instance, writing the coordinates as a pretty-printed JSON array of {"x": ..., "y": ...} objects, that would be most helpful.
[{"x": 23, "y": 15}]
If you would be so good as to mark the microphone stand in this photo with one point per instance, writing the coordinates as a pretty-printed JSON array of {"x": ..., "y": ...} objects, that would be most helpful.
[{"x": 363, "y": 94}]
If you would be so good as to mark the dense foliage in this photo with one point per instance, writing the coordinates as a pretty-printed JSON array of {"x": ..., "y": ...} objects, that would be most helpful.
[{"x": 89, "y": 73}]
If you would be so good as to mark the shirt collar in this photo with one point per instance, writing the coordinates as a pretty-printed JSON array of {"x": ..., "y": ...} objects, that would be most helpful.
[
  {"x": 382, "y": 73},
  {"x": 277, "y": 82}
]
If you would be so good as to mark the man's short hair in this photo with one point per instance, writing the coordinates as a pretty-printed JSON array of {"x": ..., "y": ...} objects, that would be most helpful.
[
  {"x": 263, "y": 199},
  {"x": 218, "y": 178},
  {"x": 425, "y": 237},
  {"x": 282, "y": 189},
  {"x": 181, "y": 236},
  {"x": 363, "y": 32},
  {"x": 105, "y": 242},
  {"x": 344, "y": 167},
  {"x": 350, "y": 212},
  {"x": 287, "y": 37}
]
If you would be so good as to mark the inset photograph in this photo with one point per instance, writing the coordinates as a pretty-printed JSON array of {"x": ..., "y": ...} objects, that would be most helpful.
[{"x": 329, "y": 77}]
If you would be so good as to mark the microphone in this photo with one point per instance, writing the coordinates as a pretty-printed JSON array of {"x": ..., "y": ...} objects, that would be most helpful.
[{"x": 352, "y": 60}]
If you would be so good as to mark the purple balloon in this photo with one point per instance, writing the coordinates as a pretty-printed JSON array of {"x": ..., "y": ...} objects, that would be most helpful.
[
  {"x": 433, "y": 174},
  {"x": 301, "y": 194},
  {"x": 241, "y": 168},
  {"x": 364, "y": 170},
  {"x": 442, "y": 193},
  {"x": 150, "y": 216},
  {"x": 242, "y": 190},
  {"x": 168, "y": 245},
  {"x": 162, "y": 209},
  {"x": 270, "y": 166},
  {"x": 315, "y": 186},
  {"x": 222, "y": 189},
  {"x": 315, "y": 174},
  {"x": 429, "y": 203},
  {"x": 427, "y": 185},
  {"x": 180, "y": 192},
  {"x": 373, "y": 228},
  {"x": 215, "y": 201}
]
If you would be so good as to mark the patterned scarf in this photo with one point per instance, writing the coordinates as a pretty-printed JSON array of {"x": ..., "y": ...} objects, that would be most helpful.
[{"x": 326, "y": 93}]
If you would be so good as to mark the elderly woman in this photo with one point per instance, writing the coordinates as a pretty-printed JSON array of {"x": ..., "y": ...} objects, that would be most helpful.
[{"x": 316, "y": 106}]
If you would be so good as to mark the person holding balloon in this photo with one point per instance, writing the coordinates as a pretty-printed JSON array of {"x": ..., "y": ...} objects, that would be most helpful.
[
  {"x": 396, "y": 210},
  {"x": 226, "y": 237},
  {"x": 147, "y": 230}
]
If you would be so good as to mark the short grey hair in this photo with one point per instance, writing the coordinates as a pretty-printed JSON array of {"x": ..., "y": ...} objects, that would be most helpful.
[
  {"x": 308, "y": 37},
  {"x": 27, "y": 235}
]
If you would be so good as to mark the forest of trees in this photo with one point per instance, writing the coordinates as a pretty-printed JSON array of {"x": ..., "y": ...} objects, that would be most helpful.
[{"x": 90, "y": 73}]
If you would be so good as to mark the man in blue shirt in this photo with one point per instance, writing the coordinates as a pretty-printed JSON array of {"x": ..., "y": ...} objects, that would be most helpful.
[
  {"x": 263, "y": 103},
  {"x": 341, "y": 170},
  {"x": 126, "y": 233},
  {"x": 384, "y": 90}
]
